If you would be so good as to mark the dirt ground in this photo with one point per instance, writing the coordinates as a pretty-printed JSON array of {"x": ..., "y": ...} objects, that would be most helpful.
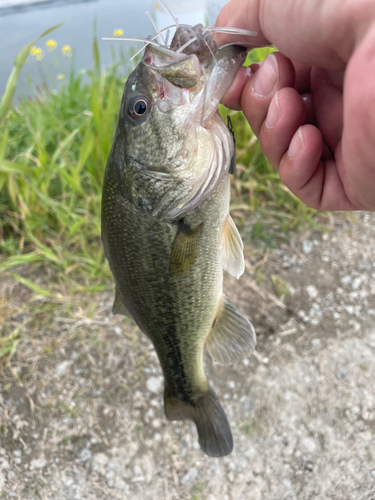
[{"x": 81, "y": 413}]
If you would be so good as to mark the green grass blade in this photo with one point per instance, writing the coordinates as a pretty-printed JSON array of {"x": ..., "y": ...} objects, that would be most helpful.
[
  {"x": 86, "y": 148},
  {"x": 64, "y": 144},
  {"x": 14, "y": 168},
  {"x": 36, "y": 288},
  {"x": 8, "y": 344},
  {"x": 18, "y": 260},
  {"x": 3, "y": 145},
  {"x": 96, "y": 54}
]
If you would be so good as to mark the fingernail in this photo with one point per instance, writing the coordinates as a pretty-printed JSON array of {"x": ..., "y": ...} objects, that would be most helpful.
[
  {"x": 273, "y": 112},
  {"x": 296, "y": 144},
  {"x": 266, "y": 77}
]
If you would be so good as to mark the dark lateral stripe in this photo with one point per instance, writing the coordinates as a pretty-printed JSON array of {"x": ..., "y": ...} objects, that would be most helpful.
[{"x": 172, "y": 359}]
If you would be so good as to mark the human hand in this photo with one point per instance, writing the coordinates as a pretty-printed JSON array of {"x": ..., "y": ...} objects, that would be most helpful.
[{"x": 312, "y": 105}]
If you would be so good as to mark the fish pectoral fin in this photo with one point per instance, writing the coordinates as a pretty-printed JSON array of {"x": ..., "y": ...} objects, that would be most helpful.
[
  {"x": 232, "y": 337},
  {"x": 232, "y": 250},
  {"x": 184, "y": 250},
  {"x": 214, "y": 434},
  {"x": 119, "y": 307}
]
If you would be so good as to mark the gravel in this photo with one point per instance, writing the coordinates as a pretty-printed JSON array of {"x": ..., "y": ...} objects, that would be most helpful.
[{"x": 87, "y": 422}]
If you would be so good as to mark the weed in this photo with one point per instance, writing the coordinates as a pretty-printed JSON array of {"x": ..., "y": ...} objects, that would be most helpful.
[
  {"x": 251, "y": 426},
  {"x": 260, "y": 276},
  {"x": 139, "y": 432},
  {"x": 48, "y": 350},
  {"x": 8, "y": 344},
  {"x": 280, "y": 286},
  {"x": 197, "y": 490},
  {"x": 68, "y": 410}
]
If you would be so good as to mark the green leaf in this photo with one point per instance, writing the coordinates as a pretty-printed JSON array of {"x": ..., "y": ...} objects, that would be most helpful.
[{"x": 3, "y": 144}]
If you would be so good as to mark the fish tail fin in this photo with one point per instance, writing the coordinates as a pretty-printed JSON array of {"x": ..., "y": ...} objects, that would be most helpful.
[{"x": 215, "y": 436}]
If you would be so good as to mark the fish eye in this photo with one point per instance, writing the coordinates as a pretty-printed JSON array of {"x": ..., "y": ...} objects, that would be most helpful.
[{"x": 138, "y": 107}]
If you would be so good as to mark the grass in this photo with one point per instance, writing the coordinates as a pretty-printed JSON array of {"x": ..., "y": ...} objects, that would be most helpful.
[{"x": 53, "y": 152}]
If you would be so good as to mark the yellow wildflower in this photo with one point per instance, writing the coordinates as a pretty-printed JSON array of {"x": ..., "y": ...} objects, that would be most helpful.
[
  {"x": 51, "y": 45},
  {"x": 118, "y": 32},
  {"x": 66, "y": 50},
  {"x": 60, "y": 76},
  {"x": 37, "y": 53}
]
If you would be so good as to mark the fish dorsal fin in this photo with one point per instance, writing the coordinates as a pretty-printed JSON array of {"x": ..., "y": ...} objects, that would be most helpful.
[
  {"x": 232, "y": 337},
  {"x": 184, "y": 249},
  {"x": 119, "y": 307},
  {"x": 232, "y": 251}
]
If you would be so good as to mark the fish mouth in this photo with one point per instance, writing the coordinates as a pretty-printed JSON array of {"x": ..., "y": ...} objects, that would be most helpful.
[
  {"x": 180, "y": 69},
  {"x": 184, "y": 79}
]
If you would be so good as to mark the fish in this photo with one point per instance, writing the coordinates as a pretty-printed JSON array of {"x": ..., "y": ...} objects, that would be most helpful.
[{"x": 166, "y": 228}]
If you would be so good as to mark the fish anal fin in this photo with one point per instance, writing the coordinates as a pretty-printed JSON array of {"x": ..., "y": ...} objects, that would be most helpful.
[
  {"x": 232, "y": 337},
  {"x": 185, "y": 249},
  {"x": 232, "y": 250},
  {"x": 215, "y": 436},
  {"x": 119, "y": 307}
]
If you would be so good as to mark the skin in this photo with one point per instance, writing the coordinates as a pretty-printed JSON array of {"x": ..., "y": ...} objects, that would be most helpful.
[{"x": 312, "y": 105}]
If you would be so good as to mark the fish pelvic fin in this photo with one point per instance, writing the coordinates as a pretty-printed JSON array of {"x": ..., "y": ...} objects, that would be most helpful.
[
  {"x": 232, "y": 337},
  {"x": 185, "y": 249},
  {"x": 232, "y": 251},
  {"x": 214, "y": 434}
]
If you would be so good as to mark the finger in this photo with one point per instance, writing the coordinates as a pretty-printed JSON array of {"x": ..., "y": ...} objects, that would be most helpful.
[
  {"x": 308, "y": 104},
  {"x": 285, "y": 115},
  {"x": 328, "y": 104},
  {"x": 315, "y": 183},
  {"x": 275, "y": 73},
  {"x": 302, "y": 77},
  {"x": 232, "y": 98}
]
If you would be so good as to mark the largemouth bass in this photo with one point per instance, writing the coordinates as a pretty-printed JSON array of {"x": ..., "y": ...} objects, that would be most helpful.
[{"x": 166, "y": 228}]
